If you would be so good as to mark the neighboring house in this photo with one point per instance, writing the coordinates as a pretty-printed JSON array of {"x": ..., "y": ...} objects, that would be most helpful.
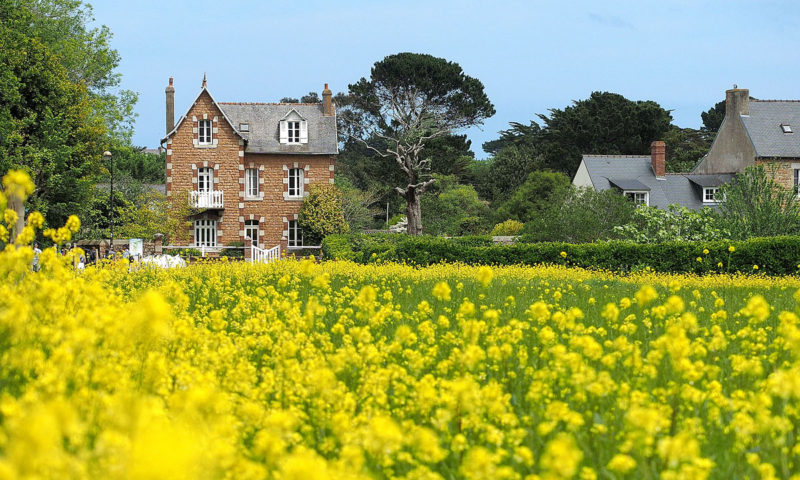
[
  {"x": 756, "y": 132},
  {"x": 643, "y": 179},
  {"x": 246, "y": 167}
]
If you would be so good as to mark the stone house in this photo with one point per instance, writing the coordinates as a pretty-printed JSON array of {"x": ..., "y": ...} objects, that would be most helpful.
[
  {"x": 756, "y": 132},
  {"x": 245, "y": 168},
  {"x": 752, "y": 132}
]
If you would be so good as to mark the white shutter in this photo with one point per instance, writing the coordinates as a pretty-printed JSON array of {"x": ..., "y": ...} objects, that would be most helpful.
[
  {"x": 303, "y": 131},
  {"x": 284, "y": 132}
]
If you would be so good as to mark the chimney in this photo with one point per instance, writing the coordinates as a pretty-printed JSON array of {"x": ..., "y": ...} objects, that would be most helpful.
[
  {"x": 170, "y": 91},
  {"x": 658, "y": 157},
  {"x": 737, "y": 101},
  {"x": 327, "y": 105}
]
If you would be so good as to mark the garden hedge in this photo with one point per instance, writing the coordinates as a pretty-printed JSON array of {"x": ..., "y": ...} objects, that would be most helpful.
[{"x": 774, "y": 255}]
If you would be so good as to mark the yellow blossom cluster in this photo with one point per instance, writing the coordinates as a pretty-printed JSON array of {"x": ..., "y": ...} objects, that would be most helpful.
[{"x": 304, "y": 370}]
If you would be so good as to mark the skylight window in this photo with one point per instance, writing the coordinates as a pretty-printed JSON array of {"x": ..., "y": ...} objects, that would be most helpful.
[
  {"x": 786, "y": 128},
  {"x": 244, "y": 127}
]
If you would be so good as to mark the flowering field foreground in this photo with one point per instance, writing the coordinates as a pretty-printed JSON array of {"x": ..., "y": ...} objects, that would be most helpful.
[{"x": 298, "y": 370}]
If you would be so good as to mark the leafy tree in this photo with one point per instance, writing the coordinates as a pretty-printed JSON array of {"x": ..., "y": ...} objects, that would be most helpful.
[
  {"x": 321, "y": 214},
  {"x": 497, "y": 178},
  {"x": 756, "y": 206},
  {"x": 508, "y": 228},
  {"x": 49, "y": 125},
  {"x": 409, "y": 100},
  {"x": 712, "y": 118},
  {"x": 685, "y": 147},
  {"x": 605, "y": 123},
  {"x": 534, "y": 196},
  {"x": 580, "y": 215},
  {"x": 453, "y": 209},
  {"x": 310, "y": 97},
  {"x": 149, "y": 215},
  {"x": 358, "y": 206}
]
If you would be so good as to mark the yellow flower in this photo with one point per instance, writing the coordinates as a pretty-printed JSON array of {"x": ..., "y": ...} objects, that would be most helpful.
[
  {"x": 35, "y": 220},
  {"x": 442, "y": 291},
  {"x": 73, "y": 223},
  {"x": 755, "y": 267},
  {"x": 731, "y": 249},
  {"x": 18, "y": 184},
  {"x": 485, "y": 275},
  {"x": 10, "y": 217},
  {"x": 563, "y": 254},
  {"x": 705, "y": 251},
  {"x": 699, "y": 259},
  {"x": 621, "y": 463}
]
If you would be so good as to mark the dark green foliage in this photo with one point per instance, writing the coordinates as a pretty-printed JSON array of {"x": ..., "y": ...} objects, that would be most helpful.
[
  {"x": 712, "y": 118},
  {"x": 453, "y": 209},
  {"x": 496, "y": 179},
  {"x": 321, "y": 214},
  {"x": 534, "y": 196},
  {"x": 605, "y": 123},
  {"x": 580, "y": 215},
  {"x": 774, "y": 256},
  {"x": 685, "y": 147},
  {"x": 234, "y": 250},
  {"x": 757, "y": 206}
]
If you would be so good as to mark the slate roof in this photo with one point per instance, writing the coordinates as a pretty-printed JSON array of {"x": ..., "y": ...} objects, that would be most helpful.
[
  {"x": 626, "y": 171},
  {"x": 763, "y": 126},
  {"x": 263, "y": 121}
]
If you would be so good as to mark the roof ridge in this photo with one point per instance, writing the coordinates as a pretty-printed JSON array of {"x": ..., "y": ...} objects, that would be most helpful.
[
  {"x": 614, "y": 156},
  {"x": 268, "y": 103},
  {"x": 792, "y": 101}
]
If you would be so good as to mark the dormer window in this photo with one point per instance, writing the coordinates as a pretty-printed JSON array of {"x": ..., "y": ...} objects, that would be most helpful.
[
  {"x": 710, "y": 194},
  {"x": 294, "y": 132},
  {"x": 293, "y": 129},
  {"x": 639, "y": 198},
  {"x": 786, "y": 128}
]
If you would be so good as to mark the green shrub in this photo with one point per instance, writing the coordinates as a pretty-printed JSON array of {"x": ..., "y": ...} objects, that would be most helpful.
[
  {"x": 233, "y": 252},
  {"x": 775, "y": 255},
  {"x": 653, "y": 225},
  {"x": 321, "y": 214},
  {"x": 507, "y": 228}
]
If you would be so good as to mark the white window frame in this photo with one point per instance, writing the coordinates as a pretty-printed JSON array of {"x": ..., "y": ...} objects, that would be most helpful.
[
  {"x": 205, "y": 179},
  {"x": 293, "y": 131},
  {"x": 205, "y": 132},
  {"x": 251, "y": 183},
  {"x": 296, "y": 184},
  {"x": 205, "y": 233},
  {"x": 633, "y": 195},
  {"x": 714, "y": 191},
  {"x": 251, "y": 230},
  {"x": 295, "y": 237},
  {"x": 797, "y": 180},
  {"x": 786, "y": 128}
]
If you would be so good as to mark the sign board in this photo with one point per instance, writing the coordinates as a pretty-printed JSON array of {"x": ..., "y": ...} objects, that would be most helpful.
[{"x": 136, "y": 247}]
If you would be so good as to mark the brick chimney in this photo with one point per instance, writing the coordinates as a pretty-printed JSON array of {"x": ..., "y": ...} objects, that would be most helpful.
[
  {"x": 737, "y": 101},
  {"x": 327, "y": 104},
  {"x": 658, "y": 157},
  {"x": 170, "y": 91}
]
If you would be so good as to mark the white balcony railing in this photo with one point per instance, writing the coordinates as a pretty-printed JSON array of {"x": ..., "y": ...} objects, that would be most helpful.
[
  {"x": 260, "y": 255},
  {"x": 206, "y": 199}
]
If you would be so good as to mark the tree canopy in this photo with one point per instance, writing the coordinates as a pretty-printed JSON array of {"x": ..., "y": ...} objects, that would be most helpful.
[{"x": 409, "y": 100}]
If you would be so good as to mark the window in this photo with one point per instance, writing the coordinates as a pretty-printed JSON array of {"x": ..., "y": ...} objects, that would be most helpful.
[
  {"x": 296, "y": 182},
  {"x": 293, "y": 130},
  {"x": 295, "y": 234},
  {"x": 205, "y": 180},
  {"x": 244, "y": 127},
  {"x": 639, "y": 198},
  {"x": 710, "y": 194},
  {"x": 204, "y": 132},
  {"x": 797, "y": 181},
  {"x": 251, "y": 182},
  {"x": 205, "y": 233},
  {"x": 251, "y": 231},
  {"x": 786, "y": 128}
]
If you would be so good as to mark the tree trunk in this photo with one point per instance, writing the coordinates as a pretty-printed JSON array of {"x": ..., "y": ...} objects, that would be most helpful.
[{"x": 413, "y": 213}]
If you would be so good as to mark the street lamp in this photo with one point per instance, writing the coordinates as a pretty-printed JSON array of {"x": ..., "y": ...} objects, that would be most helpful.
[{"x": 107, "y": 156}]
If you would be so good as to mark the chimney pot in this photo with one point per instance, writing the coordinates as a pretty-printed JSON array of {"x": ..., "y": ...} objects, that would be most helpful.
[{"x": 658, "y": 158}]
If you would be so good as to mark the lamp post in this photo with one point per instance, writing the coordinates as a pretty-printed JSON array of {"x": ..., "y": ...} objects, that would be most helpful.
[{"x": 110, "y": 160}]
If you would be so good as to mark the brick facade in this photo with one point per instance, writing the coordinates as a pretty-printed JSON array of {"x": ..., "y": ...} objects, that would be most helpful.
[
  {"x": 226, "y": 155},
  {"x": 782, "y": 170}
]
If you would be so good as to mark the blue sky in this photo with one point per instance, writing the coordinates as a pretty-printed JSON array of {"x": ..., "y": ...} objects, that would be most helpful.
[{"x": 530, "y": 55}]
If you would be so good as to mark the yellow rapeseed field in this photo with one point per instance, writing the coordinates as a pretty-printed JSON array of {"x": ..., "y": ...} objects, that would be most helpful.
[{"x": 303, "y": 370}]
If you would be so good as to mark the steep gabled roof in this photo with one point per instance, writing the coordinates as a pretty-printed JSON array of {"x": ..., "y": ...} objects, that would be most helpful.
[
  {"x": 763, "y": 126},
  {"x": 180, "y": 121}
]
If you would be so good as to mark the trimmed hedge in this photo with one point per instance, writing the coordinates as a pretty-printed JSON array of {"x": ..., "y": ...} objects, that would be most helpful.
[{"x": 774, "y": 255}]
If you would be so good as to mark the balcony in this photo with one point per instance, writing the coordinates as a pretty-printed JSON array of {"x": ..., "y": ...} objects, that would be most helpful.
[{"x": 206, "y": 199}]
